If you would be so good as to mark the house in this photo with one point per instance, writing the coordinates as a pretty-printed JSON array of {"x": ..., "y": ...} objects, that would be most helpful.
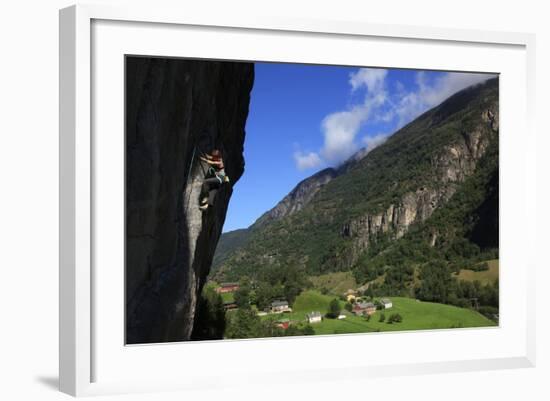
[
  {"x": 314, "y": 317},
  {"x": 350, "y": 298},
  {"x": 341, "y": 316},
  {"x": 229, "y": 305},
  {"x": 227, "y": 287},
  {"x": 364, "y": 308},
  {"x": 350, "y": 293},
  {"x": 283, "y": 324},
  {"x": 386, "y": 303},
  {"x": 280, "y": 306}
]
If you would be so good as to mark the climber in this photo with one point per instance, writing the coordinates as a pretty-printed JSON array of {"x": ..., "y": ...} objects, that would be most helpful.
[{"x": 214, "y": 179}]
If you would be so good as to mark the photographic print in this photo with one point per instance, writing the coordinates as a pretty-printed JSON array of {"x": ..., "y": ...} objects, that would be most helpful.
[{"x": 279, "y": 199}]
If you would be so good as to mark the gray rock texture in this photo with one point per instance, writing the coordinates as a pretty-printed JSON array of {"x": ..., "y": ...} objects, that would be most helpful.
[{"x": 176, "y": 108}]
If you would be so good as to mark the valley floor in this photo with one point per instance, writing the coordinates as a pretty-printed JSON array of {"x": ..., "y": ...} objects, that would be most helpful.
[
  {"x": 413, "y": 314},
  {"x": 416, "y": 315}
]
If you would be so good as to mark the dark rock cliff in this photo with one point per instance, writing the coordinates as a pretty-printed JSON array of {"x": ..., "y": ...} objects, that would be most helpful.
[{"x": 174, "y": 109}]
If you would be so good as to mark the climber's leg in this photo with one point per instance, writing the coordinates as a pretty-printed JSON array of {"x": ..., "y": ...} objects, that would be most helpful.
[
  {"x": 206, "y": 185},
  {"x": 212, "y": 196},
  {"x": 208, "y": 192}
]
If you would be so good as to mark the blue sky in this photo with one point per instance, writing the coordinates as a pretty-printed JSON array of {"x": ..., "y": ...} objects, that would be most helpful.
[{"x": 304, "y": 118}]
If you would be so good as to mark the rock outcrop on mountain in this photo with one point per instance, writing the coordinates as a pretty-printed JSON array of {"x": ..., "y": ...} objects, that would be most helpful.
[
  {"x": 451, "y": 166},
  {"x": 298, "y": 197},
  {"x": 176, "y": 108}
]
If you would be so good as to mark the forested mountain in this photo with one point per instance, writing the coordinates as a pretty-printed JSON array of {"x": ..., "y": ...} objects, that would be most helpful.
[{"x": 427, "y": 197}]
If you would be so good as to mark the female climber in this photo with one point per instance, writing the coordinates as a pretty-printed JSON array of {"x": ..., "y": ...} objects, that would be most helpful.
[{"x": 216, "y": 178}]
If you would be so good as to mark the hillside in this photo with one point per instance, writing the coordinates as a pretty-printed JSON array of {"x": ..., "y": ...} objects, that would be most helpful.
[
  {"x": 295, "y": 201},
  {"x": 430, "y": 192},
  {"x": 227, "y": 243}
]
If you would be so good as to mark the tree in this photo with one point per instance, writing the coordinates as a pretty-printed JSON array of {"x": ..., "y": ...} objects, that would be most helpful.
[
  {"x": 209, "y": 316},
  {"x": 293, "y": 330},
  {"x": 436, "y": 282},
  {"x": 244, "y": 323},
  {"x": 264, "y": 295},
  {"x": 395, "y": 317},
  {"x": 308, "y": 330},
  {"x": 242, "y": 297},
  {"x": 370, "y": 291},
  {"x": 348, "y": 306},
  {"x": 382, "y": 317},
  {"x": 334, "y": 309}
]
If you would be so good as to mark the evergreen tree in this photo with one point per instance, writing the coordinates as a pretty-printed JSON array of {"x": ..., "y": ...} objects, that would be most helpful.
[{"x": 334, "y": 309}]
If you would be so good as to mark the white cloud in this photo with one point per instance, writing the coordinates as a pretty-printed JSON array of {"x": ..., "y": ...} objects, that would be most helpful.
[
  {"x": 340, "y": 129},
  {"x": 371, "y": 78},
  {"x": 430, "y": 94},
  {"x": 372, "y": 141},
  {"x": 446, "y": 85},
  {"x": 306, "y": 161}
]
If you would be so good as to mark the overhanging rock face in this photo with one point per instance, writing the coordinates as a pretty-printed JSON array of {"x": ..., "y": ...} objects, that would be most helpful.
[{"x": 174, "y": 110}]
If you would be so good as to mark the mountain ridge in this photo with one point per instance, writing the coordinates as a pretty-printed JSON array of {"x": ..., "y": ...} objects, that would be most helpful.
[{"x": 379, "y": 194}]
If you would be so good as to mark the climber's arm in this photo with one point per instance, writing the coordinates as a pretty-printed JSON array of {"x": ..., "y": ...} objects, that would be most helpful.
[{"x": 212, "y": 162}]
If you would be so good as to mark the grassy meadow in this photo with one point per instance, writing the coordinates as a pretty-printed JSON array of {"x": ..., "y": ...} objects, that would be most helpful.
[
  {"x": 484, "y": 277},
  {"x": 335, "y": 283},
  {"x": 416, "y": 315}
]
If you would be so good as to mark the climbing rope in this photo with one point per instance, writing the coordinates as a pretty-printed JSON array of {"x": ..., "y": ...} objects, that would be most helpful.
[{"x": 187, "y": 180}]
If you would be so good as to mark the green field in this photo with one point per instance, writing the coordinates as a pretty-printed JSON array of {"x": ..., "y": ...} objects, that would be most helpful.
[
  {"x": 307, "y": 301},
  {"x": 416, "y": 316},
  {"x": 335, "y": 283},
  {"x": 228, "y": 296},
  {"x": 484, "y": 277}
]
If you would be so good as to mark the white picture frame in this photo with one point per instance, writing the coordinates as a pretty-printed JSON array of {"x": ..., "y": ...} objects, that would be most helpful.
[{"x": 82, "y": 345}]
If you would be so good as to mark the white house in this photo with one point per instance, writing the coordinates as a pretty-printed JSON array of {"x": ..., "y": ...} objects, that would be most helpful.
[
  {"x": 280, "y": 306},
  {"x": 386, "y": 303},
  {"x": 314, "y": 317}
]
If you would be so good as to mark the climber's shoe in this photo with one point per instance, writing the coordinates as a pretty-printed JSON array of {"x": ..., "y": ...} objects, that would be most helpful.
[{"x": 203, "y": 207}]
